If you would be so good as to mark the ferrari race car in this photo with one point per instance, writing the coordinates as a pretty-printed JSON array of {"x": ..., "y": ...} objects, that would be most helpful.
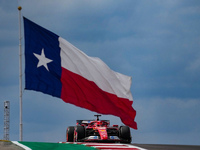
[{"x": 97, "y": 131}]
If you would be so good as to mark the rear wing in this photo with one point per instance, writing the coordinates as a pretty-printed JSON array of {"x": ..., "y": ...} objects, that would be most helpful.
[{"x": 86, "y": 122}]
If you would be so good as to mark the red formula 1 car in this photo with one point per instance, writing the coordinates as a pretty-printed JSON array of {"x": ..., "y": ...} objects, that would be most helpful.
[{"x": 97, "y": 131}]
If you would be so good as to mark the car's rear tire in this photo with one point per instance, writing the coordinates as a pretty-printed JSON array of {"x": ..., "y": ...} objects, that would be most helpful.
[
  {"x": 70, "y": 134},
  {"x": 80, "y": 133},
  {"x": 125, "y": 134}
]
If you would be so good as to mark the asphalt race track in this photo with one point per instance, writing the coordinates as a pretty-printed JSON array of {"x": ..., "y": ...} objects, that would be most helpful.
[
  {"x": 7, "y": 145},
  {"x": 167, "y": 147}
]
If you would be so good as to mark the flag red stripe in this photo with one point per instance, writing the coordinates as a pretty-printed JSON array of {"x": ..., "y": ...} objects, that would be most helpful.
[{"x": 84, "y": 93}]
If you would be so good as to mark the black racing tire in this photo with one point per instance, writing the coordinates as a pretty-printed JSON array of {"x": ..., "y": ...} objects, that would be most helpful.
[
  {"x": 70, "y": 134},
  {"x": 125, "y": 134},
  {"x": 80, "y": 131}
]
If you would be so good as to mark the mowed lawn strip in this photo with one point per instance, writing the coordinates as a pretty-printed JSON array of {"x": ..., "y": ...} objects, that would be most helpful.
[{"x": 55, "y": 146}]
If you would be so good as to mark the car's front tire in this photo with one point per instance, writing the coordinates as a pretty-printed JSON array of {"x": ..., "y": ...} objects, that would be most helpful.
[
  {"x": 70, "y": 134},
  {"x": 79, "y": 133},
  {"x": 125, "y": 134}
]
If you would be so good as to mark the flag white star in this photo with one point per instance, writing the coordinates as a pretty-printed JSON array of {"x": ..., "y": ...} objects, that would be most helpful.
[{"x": 43, "y": 61}]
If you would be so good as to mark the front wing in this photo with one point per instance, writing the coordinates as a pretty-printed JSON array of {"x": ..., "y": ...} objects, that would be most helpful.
[{"x": 110, "y": 139}]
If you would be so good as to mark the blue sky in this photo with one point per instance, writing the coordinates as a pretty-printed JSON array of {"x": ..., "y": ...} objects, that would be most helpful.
[{"x": 156, "y": 42}]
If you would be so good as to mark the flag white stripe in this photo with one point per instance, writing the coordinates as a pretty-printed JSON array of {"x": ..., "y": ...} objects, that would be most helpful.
[{"x": 94, "y": 69}]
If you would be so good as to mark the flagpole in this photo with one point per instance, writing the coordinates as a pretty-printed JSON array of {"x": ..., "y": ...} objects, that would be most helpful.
[{"x": 20, "y": 78}]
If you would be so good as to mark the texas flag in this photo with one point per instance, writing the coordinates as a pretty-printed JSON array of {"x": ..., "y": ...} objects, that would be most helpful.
[{"x": 56, "y": 67}]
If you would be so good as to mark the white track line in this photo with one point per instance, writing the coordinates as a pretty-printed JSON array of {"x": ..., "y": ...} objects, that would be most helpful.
[
  {"x": 108, "y": 146},
  {"x": 118, "y": 147},
  {"x": 21, "y": 145}
]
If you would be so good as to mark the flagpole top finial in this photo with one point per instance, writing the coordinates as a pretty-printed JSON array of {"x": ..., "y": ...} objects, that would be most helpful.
[{"x": 19, "y": 8}]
